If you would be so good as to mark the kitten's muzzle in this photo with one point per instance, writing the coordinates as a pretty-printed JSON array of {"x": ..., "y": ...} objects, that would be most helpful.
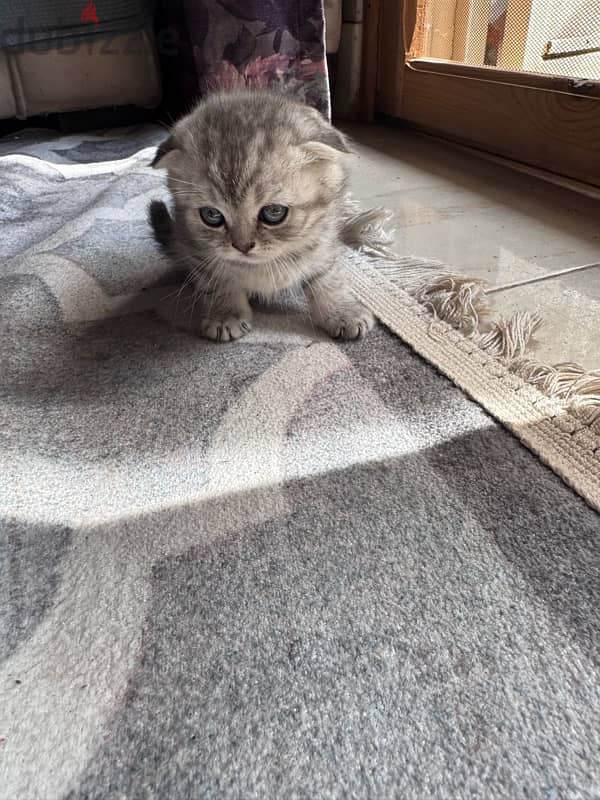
[{"x": 243, "y": 247}]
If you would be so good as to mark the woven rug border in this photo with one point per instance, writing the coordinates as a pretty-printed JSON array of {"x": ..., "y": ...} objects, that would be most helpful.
[{"x": 562, "y": 440}]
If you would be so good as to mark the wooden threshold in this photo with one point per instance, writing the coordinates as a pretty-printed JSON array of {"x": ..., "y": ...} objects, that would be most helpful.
[
  {"x": 580, "y": 187},
  {"x": 533, "y": 80},
  {"x": 555, "y": 131}
]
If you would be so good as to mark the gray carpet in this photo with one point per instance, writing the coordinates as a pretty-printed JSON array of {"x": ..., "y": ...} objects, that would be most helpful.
[{"x": 282, "y": 568}]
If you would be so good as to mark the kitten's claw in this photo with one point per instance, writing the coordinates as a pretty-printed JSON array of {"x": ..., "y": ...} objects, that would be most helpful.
[
  {"x": 354, "y": 325},
  {"x": 225, "y": 330}
]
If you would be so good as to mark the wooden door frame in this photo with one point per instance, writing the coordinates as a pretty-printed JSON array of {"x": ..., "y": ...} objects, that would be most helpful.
[{"x": 548, "y": 122}]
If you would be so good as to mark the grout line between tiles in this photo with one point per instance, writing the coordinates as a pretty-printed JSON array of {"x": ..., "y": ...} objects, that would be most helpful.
[{"x": 540, "y": 278}]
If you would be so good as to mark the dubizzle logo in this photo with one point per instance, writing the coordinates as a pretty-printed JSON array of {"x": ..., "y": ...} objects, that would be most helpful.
[{"x": 90, "y": 13}]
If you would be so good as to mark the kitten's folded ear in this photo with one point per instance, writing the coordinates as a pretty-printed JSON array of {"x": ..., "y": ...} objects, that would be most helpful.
[
  {"x": 168, "y": 146},
  {"x": 325, "y": 133},
  {"x": 326, "y": 142},
  {"x": 334, "y": 138},
  {"x": 317, "y": 151}
]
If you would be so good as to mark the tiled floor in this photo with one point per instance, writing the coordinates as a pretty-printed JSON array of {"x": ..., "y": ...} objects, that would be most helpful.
[{"x": 489, "y": 221}]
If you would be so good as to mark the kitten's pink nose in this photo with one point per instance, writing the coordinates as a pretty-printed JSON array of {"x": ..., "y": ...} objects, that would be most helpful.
[{"x": 243, "y": 247}]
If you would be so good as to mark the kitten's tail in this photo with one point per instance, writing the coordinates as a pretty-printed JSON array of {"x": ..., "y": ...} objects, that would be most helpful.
[{"x": 162, "y": 222}]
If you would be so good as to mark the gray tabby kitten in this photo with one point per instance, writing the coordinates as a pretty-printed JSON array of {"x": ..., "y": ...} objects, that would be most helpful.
[{"x": 257, "y": 181}]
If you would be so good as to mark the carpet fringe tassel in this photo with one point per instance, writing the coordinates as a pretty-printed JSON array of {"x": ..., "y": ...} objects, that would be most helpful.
[
  {"x": 509, "y": 339},
  {"x": 577, "y": 388},
  {"x": 367, "y": 230},
  {"x": 462, "y": 303}
]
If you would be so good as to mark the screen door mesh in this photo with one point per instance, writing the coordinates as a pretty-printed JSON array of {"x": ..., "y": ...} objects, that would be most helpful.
[{"x": 557, "y": 37}]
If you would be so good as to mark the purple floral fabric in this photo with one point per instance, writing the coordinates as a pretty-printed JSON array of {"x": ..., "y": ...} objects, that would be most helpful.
[{"x": 276, "y": 44}]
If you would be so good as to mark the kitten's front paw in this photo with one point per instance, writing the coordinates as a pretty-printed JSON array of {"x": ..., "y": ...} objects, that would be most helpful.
[
  {"x": 352, "y": 323},
  {"x": 225, "y": 330}
]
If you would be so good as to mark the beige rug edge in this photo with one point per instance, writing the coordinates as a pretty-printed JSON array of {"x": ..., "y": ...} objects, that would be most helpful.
[{"x": 568, "y": 442}]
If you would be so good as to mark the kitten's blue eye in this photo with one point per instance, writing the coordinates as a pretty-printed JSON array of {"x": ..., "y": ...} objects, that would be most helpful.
[
  {"x": 212, "y": 217},
  {"x": 273, "y": 214}
]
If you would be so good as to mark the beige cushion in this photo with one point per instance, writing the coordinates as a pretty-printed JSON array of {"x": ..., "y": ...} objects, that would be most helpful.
[{"x": 112, "y": 71}]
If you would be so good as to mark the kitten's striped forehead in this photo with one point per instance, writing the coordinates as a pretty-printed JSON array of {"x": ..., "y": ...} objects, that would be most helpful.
[{"x": 253, "y": 166}]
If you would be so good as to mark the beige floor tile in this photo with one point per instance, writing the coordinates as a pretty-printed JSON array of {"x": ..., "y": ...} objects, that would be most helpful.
[
  {"x": 481, "y": 218},
  {"x": 570, "y": 307}
]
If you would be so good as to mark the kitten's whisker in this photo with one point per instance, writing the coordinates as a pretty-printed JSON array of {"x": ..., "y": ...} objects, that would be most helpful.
[
  {"x": 195, "y": 266},
  {"x": 271, "y": 274},
  {"x": 179, "y": 292},
  {"x": 181, "y": 180},
  {"x": 189, "y": 279},
  {"x": 308, "y": 287},
  {"x": 214, "y": 276}
]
